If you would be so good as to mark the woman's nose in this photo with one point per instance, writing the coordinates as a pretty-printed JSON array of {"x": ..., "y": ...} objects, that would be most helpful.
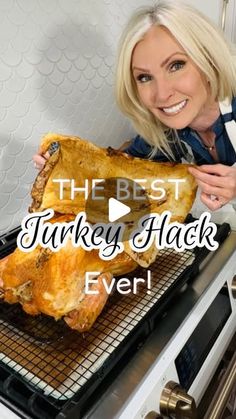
[{"x": 162, "y": 91}]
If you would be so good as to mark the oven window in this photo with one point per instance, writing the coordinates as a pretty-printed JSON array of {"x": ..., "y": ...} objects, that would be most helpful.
[{"x": 192, "y": 356}]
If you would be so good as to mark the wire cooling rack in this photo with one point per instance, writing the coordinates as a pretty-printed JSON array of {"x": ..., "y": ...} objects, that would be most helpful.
[{"x": 59, "y": 361}]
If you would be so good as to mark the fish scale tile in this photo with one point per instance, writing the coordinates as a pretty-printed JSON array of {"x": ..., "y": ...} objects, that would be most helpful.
[
  {"x": 11, "y": 57},
  {"x": 5, "y": 198},
  {"x": 15, "y": 83},
  {"x": 57, "y": 62},
  {"x": 8, "y": 30},
  {"x": 3, "y": 112},
  {"x": 26, "y": 6},
  {"x": 19, "y": 108},
  {"x": 16, "y": 15},
  {"x": 64, "y": 65},
  {"x": 5, "y": 71},
  {"x": 4, "y": 139},
  {"x": 14, "y": 149}
]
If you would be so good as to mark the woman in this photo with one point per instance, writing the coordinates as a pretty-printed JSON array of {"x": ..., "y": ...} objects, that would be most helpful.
[{"x": 176, "y": 80}]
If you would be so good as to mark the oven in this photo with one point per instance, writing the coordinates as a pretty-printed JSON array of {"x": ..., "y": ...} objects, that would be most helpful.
[
  {"x": 169, "y": 376},
  {"x": 148, "y": 355}
]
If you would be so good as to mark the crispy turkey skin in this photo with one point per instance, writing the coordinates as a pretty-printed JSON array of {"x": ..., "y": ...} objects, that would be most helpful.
[{"x": 53, "y": 283}]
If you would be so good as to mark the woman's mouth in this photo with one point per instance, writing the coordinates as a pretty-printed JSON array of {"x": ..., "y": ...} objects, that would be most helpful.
[{"x": 172, "y": 110}]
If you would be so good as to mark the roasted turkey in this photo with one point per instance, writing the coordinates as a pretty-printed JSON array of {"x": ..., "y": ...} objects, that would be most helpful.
[
  {"x": 79, "y": 159},
  {"x": 53, "y": 283}
]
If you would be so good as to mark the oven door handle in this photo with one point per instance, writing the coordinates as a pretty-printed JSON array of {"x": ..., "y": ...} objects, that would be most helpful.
[
  {"x": 222, "y": 394},
  {"x": 223, "y": 15}
]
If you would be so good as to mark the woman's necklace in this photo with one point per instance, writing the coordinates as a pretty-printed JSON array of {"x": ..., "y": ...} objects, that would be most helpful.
[
  {"x": 209, "y": 147},
  {"x": 208, "y": 141}
]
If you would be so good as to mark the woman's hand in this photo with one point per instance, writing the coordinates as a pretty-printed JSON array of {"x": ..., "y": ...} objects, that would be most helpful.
[
  {"x": 40, "y": 159},
  {"x": 217, "y": 183}
]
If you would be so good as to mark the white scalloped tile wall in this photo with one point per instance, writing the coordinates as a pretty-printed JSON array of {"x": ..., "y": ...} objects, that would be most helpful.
[{"x": 57, "y": 60}]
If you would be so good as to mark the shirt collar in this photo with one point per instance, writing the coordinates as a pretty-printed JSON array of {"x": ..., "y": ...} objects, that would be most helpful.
[{"x": 217, "y": 127}]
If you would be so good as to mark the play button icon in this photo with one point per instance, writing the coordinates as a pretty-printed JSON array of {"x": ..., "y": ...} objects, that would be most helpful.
[
  {"x": 117, "y": 200},
  {"x": 117, "y": 210}
]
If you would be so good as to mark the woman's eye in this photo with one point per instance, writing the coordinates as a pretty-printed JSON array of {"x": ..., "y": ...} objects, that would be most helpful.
[
  {"x": 143, "y": 78},
  {"x": 177, "y": 65}
]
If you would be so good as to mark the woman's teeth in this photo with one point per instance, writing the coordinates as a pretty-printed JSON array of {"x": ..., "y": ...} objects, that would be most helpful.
[{"x": 175, "y": 108}]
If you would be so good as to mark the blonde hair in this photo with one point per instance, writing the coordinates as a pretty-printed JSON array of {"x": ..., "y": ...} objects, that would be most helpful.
[{"x": 202, "y": 41}]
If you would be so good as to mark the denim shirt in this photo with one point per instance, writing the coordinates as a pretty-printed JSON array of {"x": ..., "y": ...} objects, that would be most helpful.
[{"x": 225, "y": 150}]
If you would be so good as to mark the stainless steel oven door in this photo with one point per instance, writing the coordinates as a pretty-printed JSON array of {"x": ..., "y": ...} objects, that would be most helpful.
[{"x": 225, "y": 397}]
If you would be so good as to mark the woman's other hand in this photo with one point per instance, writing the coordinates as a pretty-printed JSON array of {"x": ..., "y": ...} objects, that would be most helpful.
[
  {"x": 125, "y": 145},
  {"x": 40, "y": 159},
  {"x": 217, "y": 183}
]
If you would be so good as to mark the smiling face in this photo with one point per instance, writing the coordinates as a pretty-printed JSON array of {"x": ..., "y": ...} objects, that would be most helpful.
[{"x": 168, "y": 82}]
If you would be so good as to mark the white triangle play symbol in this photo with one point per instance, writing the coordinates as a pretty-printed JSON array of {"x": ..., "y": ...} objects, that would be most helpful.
[{"x": 117, "y": 210}]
